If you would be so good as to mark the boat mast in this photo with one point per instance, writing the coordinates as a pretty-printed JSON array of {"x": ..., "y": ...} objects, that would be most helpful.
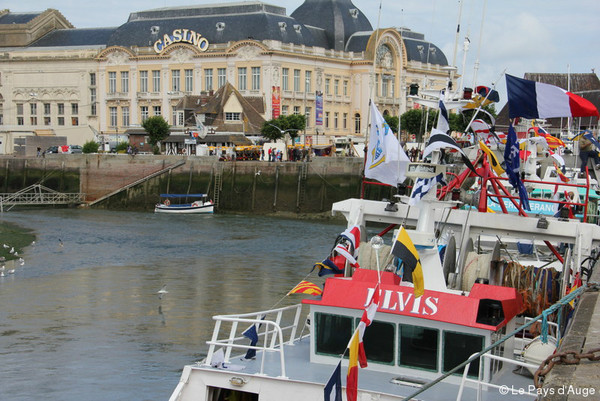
[
  {"x": 476, "y": 68},
  {"x": 456, "y": 40}
]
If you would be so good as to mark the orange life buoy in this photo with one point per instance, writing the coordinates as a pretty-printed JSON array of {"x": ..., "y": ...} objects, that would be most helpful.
[{"x": 167, "y": 202}]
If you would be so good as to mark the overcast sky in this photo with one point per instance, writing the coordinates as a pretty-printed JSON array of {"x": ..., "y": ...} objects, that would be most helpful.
[{"x": 519, "y": 36}]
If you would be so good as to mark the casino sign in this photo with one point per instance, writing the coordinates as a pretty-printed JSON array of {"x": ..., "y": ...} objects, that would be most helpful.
[{"x": 181, "y": 35}]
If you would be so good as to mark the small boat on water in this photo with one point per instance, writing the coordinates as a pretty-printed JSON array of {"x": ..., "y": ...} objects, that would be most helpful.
[{"x": 184, "y": 204}]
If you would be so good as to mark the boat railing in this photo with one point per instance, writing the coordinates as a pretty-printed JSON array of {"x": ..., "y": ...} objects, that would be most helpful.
[
  {"x": 498, "y": 188},
  {"x": 524, "y": 340},
  {"x": 271, "y": 326},
  {"x": 503, "y": 389}
]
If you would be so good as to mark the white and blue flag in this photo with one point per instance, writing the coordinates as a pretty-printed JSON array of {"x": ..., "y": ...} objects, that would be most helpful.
[
  {"x": 422, "y": 187},
  {"x": 386, "y": 161}
]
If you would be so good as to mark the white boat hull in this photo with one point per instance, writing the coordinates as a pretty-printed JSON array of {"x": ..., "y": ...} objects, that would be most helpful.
[{"x": 185, "y": 209}]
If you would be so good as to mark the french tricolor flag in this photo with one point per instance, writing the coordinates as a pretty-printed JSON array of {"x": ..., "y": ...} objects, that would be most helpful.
[{"x": 531, "y": 99}]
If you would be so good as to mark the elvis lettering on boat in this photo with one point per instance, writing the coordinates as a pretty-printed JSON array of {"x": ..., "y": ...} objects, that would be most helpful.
[{"x": 405, "y": 301}]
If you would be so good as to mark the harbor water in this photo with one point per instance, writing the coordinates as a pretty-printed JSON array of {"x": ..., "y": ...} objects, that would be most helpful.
[{"x": 81, "y": 318}]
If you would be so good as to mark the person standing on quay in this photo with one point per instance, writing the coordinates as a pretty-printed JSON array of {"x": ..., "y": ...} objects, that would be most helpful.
[{"x": 587, "y": 150}]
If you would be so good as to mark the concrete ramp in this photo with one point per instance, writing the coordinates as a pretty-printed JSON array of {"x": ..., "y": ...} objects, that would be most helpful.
[{"x": 136, "y": 182}]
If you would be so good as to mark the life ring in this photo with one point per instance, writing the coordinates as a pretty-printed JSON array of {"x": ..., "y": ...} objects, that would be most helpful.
[{"x": 167, "y": 202}]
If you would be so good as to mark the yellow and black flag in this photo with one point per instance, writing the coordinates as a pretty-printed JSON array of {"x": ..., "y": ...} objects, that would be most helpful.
[
  {"x": 492, "y": 159},
  {"x": 405, "y": 250}
]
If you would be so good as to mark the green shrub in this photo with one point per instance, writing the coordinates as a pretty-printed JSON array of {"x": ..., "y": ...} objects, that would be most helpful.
[
  {"x": 122, "y": 147},
  {"x": 90, "y": 147}
]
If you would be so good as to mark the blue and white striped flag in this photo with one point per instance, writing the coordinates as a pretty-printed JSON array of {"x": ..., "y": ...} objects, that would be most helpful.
[
  {"x": 333, "y": 388},
  {"x": 442, "y": 123},
  {"x": 422, "y": 186}
]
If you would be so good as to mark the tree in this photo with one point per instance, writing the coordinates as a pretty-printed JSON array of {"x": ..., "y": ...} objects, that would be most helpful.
[
  {"x": 157, "y": 129},
  {"x": 90, "y": 147},
  {"x": 392, "y": 122},
  {"x": 277, "y": 128},
  {"x": 413, "y": 122},
  {"x": 296, "y": 122}
]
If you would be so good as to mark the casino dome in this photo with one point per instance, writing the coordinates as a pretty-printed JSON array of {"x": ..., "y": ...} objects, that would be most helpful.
[{"x": 340, "y": 19}]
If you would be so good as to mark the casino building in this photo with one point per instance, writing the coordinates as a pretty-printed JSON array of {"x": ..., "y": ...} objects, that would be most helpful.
[{"x": 324, "y": 60}]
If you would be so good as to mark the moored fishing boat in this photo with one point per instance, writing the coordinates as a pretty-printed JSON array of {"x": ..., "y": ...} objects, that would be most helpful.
[
  {"x": 413, "y": 338},
  {"x": 184, "y": 204}
]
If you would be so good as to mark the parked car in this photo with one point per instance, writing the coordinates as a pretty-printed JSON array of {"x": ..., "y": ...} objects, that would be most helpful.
[
  {"x": 76, "y": 149},
  {"x": 52, "y": 149}
]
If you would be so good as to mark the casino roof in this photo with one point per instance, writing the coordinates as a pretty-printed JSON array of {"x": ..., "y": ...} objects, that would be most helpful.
[
  {"x": 18, "y": 18},
  {"x": 218, "y": 23},
  {"x": 338, "y": 18},
  {"x": 75, "y": 37},
  {"x": 330, "y": 24}
]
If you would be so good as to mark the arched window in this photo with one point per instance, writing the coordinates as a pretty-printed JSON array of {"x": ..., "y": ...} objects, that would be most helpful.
[{"x": 357, "y": 123}]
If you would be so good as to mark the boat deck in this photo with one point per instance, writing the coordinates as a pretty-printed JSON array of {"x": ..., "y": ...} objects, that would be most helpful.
[{"x": 300, "y": 369}]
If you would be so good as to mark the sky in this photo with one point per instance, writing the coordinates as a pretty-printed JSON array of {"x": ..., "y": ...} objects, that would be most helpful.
[{"x": 518, "y": 36}]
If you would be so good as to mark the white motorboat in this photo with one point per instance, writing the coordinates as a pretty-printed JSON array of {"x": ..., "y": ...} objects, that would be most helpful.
[{"x": 184, "y": 204}]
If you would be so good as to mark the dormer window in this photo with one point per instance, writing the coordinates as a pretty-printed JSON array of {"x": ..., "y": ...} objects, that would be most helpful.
[
  {"x": 233, "y": 116},
  {"x": 354, "y": 12},
  {"x": 220, "y": 26},
  {"x": 154, "y": 29},
  {"x": 282, "y": 26}
]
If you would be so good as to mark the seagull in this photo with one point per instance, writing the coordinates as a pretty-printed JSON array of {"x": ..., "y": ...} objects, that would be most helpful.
[
  {"x": 11, "y": 271},
  {"x": 5, "y": 246},
  {"x": 21, "y": 261},
  {"x": 12, "y": 250},
  {"x": 283, "y": 131},
  {"x": 60, "y": 243},
  {"x": 16, "y": 253},
  {"x": 162, "y": 291},
  {"x": 257, "y": 173}
]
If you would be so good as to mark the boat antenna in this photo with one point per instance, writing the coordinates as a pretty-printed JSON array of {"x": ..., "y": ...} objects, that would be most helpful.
[
  {"x": 476, "y": 67},
  {"x": 457, "y": 32}
]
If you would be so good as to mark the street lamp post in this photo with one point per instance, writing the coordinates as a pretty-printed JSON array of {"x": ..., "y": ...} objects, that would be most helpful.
[{"x": 306, "y": 116}]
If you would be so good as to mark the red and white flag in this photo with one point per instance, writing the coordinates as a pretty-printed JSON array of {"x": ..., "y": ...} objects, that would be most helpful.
[{"x": 357, "y": 349}]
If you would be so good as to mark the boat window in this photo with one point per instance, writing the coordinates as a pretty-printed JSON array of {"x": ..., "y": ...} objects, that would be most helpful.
[
  {"x": 333, "y": 333},
  {"x": 418, "y": 347},
  {"x": 224, "y": 394},
  {"x": 379, "y": 342},
  {"x": 458, "y": 347}
]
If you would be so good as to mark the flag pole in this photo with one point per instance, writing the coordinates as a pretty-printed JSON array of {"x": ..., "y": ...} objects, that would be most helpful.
[
  {"x": 372, "y": 79},
  {"x": 486, "y": 96}
]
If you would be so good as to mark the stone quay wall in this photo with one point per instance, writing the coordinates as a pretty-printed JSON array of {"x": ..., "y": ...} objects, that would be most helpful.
[{"x": 120, "y": 181}]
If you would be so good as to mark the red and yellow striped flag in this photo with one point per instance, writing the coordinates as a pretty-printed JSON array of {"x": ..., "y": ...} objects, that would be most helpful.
[{"x": 306, "y": 287}]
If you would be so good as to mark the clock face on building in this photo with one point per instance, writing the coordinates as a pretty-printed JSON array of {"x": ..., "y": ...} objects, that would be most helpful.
[{"x": 384, "y": 57}]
